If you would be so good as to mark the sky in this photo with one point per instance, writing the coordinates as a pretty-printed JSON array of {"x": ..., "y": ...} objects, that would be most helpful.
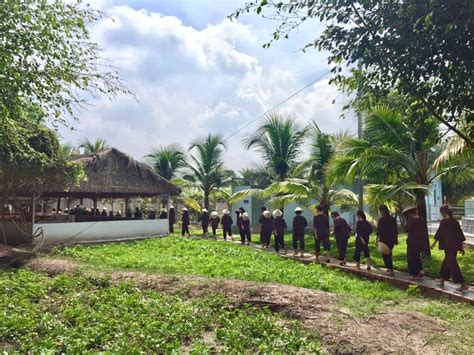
[{"x": 195, "y": 72}]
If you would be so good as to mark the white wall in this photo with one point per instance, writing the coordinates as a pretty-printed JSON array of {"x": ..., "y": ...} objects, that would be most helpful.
[{"x": 101, "y": 231}]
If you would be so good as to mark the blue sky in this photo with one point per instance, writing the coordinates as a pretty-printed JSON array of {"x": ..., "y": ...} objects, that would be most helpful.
[{"x": 193, "y": 71}]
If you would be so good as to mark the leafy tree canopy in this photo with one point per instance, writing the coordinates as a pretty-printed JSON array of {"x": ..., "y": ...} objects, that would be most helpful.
[
  {"x": 47, "y": 57},
  {"x": 421, "y": 49}
]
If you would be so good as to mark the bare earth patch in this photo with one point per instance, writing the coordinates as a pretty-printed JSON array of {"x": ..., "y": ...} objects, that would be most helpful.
[{"x": 340, "y": 331}]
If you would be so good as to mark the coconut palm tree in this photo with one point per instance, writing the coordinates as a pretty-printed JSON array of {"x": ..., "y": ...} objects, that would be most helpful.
[
  {"x": 206, "y": 168},
  {"x": 279, "y": 140},
  {"x": 398, "y": 152},
  {"x": 93, "y": 147},
  {"x": 69, "y": 150},
  {"x": 167, "y": 160}
]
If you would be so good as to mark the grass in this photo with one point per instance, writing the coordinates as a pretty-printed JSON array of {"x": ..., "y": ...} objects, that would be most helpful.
[
  {"x": 86, "y": 313},
  {"x": 432, "y": 265}
]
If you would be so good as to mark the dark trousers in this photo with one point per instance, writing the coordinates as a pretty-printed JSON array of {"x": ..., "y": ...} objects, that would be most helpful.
[
  {"x": 214, "y": 230},
  {"x": 227, "y": 232},
  {"x": 450, "y": 267},
  {"x": 359, "y": 248},
  {"x": 415, "y": 265},
  {"x": 205, "y": 229},
  {"x": 171, "y": 227},
  {"x": 298, "y": 238},
  {"x": 279, "y": 241},
  {"x": 185, "y": 229},
  {"x": 325, "y": 241},
  {"x": 245, "y": 233},
  {"x": 388, "y": 260},
  {"x": 265, "y": 237},
  {"x": 341, "y": 244}
]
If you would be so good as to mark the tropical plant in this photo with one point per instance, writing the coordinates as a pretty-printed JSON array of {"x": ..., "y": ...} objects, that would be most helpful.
[
  {"x": 397, "y": 152},
  {"x": 255, "y": 176},
  {"x": 69, "y": 150},
  {"x": 167, "y": 160},
  {"x": 93, "y": 147},
  {"x": 206, "y": 168}
]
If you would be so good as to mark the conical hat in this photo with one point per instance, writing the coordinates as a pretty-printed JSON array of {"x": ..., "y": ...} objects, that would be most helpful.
[
  {"x": 226, "y": 211},
  {"x": 277, "y": 213},
  {"x": 214, "y": 214},
  {"x": 184, "y": 209},
  {"x": 298, "y": 209},
  {"x": 408, "y": 209},
  {"x": 383, "y": 248},
  {"x": 204, "y": 210},
  {"x": 245, "y": 216},
  {"x": 267, "y": 214}
]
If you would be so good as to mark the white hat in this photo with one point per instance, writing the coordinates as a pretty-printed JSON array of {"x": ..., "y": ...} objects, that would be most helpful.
[
  {"x": 184, "y": 209},
  {"x": 408, "y": 209},
  {"x": 298, "y": 209},
  {"x": 226, "y": 211},
  {"x": 245, "y": 216},
  {"x": 204, "y": 210},
  {"x": 277, "y": 213},
  {"x": 104, "y": 208},
  {"x": 163, "y": 209},
  {"x": 214, "y": 214},
  {"x": 171, "y": 207},
  {"x": 267, "y": 214},
  {"x": 383, "y": 248}
]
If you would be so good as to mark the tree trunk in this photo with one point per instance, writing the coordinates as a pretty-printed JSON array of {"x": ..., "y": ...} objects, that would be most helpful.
[
  {"x": 206, "y": 199},
  {"x": 421, "y": 206}
]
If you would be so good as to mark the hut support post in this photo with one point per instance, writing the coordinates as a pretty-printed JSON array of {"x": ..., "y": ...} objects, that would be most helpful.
[
  {"x": 33, "y": 210},
  {"x": 127, "y": 205},
  {"x": 58, "y": 204},
  {"x": 94, "y": 202}
]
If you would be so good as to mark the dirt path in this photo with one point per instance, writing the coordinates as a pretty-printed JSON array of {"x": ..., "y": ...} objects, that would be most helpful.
[{"x": 316, "y": 310}]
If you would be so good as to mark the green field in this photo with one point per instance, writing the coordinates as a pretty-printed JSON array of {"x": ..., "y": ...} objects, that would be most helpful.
[{"x": 89, "y": 311}]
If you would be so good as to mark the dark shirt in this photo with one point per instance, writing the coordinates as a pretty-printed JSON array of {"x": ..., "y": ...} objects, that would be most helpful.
[
  {"x": 299, "y": 224},
  {"x": 267, "y": 224},
  {"x": 246, "y": 225},
  {"x": 387, "y": 230},
  {"x": 185, "y": 219},
  {"x": 239, "y": 219},
  {"x": 163, "y": 215},
  {"x": 215, "y": 222},
  {"x": 321, "y": 224},
  {"x": 450, "y": 235},
  {"x": 172, "y": 217},
  {"x": 138, "y": 215},
  {"x": 280, "y": 225},
  {"x": 363, "y": 230},
  {"x": 204, "y": 219},
  {"x": 226, "y": 221},
  {"x": 417, "y": 233},
  {"x": 341, "y": 228}
]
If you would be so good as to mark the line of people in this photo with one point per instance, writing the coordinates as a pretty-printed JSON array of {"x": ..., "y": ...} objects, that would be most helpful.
[{"x": 449, "y": 236}]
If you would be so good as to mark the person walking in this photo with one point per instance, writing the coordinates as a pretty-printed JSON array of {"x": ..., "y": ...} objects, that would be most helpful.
[
  {"x": 451, "y": 239},
  {"x": 204, "y": 219},
  {"x": 416, "y": 235},
  {"x": 227, "y": 222},
  {"x": 299, "y": 225},
  {"x": 172, "y": 219},
  {"x": 261, "y": 221},
  {"x": 266, "y": 228},
  {"x": 387, "y": 237},
  {"x": 246, "y": 229},
  {"x": 341, "y": 233},
  {"x": 280, "y": 227},
  {"x": 363, "y": 231},
  {"x": 321, "y": 233},
  {"x": 239, "y": 223},
  {"x": 214, "y": 223},
  {"x": 185, "y": 222}
]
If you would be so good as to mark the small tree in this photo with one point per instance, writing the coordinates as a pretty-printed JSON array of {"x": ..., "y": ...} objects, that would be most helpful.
[
  {"x": 167, "y": 160},
  {"x": 95, "y": 146}
]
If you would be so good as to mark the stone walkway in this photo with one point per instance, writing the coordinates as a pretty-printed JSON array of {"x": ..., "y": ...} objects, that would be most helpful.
[{"x": 401, "y": 279}]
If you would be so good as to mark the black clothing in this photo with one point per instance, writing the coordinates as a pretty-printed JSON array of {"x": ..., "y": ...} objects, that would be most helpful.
[
  {"x": 185, "y": 223},
  {"x": 245, "y": 231},
  {"x": 266, "y": 230},
  {"x": 450, "y": 237},
  {"x": 299, "y": 225},
  {"x": 163, "y": 215},
  {"x": 204, "y": 219},
  {"x": 321, "y": 225},
  {"x": 215, "y": 224},
  {"x": 227, "y": 225},
  {"x": 416, "y": 229},
  {"x": 279, "y": 241},
  {"x": 341, "y": 233},
  {"x": 388, "y": 260},
  {"x": 387, "y": 233},
  {"x": 363, "y": 232},
  {"x": 280, "y": 225},
  {"x": 104, "y": 214},
  {"x": 172, "y": 219},
  {"x": 138, "y": 214},
  {"x": 326, "y": 244}
]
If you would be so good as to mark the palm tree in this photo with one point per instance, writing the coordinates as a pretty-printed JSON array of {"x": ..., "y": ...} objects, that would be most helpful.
[
  {"x": 280, "y": 141},
  {"x": 397, "y": 153},
  {"x": 167, "y": 160},
  {"x": 93, "y": 147},
  {"x": 255, "y": 176},
  {"x": 206, "y": 167},
  {"x": 69, "y": 150}
]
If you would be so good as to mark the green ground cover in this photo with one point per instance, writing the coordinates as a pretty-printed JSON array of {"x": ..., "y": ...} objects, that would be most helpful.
[
  {"x": 78, "y": 313},
  {"x": 431, "y": 265}
]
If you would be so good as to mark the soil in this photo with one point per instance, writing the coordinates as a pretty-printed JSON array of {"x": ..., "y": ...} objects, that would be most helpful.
[{"x": 340, "y": 331}]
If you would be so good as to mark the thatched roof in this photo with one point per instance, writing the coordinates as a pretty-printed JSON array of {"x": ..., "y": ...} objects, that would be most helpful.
[{"x": 112, "y": 173}]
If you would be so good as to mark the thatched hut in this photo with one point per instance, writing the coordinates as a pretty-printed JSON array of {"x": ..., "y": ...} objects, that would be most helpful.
[{"x": 111, "y": 174}]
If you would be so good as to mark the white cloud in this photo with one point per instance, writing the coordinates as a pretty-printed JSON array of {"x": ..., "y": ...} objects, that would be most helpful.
[{"x": 190, "y": 82}]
